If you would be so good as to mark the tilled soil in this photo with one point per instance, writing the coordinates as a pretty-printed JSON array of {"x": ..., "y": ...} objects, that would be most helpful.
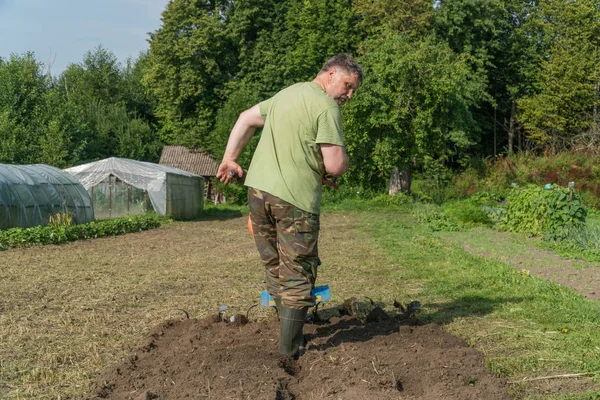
[{"x": 345, "y": 359}]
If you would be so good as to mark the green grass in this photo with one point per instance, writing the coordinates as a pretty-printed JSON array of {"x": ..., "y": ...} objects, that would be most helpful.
[{"x": 525, "y": 325}]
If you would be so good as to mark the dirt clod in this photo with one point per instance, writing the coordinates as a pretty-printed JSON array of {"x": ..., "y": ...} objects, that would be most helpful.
[
  {"x": 377, "y": 314},
  {"x": 399, "y": 386}
]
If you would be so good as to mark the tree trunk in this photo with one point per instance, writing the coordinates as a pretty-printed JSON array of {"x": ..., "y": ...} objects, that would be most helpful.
[
  {"x": 399, "y": 181},
  {"x": 511, "y": 127}
]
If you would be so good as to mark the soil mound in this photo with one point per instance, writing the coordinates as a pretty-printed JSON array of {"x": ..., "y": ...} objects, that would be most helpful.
[{"x": 345, "y": 359}]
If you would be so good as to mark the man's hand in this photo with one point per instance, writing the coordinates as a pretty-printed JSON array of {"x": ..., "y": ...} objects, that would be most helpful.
[{"x": 224, "y": 174}]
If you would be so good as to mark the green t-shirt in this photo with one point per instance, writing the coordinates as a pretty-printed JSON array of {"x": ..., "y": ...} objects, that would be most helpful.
[{"x": 288, "y": 162}]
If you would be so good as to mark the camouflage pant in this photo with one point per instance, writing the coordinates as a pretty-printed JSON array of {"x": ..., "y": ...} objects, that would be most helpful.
[{"x": 286, "y": 238}]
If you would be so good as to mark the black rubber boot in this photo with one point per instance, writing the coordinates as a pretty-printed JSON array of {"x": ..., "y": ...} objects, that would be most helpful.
[{"x": 291, "y": 338}]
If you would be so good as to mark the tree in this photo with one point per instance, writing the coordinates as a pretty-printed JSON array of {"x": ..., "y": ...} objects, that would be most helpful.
[
  {"x": 97, "y": 77},
  {"x": 320, "y": 30},
  {"x": 498, "y": 36},
  {"x": 417, "y": 100},
  {"x": 410, "y": 17},
  {"x": 104, "y": 109},
  {"x": 190, "y": 60},
  {"x": 137, "y": 99},
  {"x": 22, "y": 112},
  {"x": 560, "y": 110}
]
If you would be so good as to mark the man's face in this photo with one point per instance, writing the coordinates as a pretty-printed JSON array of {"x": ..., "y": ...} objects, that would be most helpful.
[{"x": 341, "y": 85}]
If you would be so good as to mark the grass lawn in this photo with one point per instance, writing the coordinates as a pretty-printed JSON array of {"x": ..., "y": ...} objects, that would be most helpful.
[{"x": 69, "y": 311}]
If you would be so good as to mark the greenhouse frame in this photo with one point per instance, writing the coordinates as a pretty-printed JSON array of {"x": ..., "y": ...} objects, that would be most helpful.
[
  {"x": 120, "y": 187},
  {"x": 31, "y": 194}
]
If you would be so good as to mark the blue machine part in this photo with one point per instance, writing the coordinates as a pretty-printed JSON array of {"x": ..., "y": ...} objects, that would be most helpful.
[{"x": 320, "y": 293}]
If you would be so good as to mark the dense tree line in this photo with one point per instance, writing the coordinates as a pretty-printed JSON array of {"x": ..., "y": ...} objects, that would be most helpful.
[
  {"x": 444, "y": 80},
  {"x": 93, "y": 110}
]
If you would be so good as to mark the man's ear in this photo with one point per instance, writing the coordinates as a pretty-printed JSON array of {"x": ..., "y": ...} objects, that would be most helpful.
[{"x": 331, "y": 73}]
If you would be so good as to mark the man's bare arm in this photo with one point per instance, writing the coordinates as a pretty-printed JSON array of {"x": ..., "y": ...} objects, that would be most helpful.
[
  {"x": 242, "y": 132},
  {"x": 335, "y": 159}
]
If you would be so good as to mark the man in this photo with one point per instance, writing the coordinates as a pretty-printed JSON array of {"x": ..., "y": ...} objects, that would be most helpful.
[{"x": 301, "y": 142}]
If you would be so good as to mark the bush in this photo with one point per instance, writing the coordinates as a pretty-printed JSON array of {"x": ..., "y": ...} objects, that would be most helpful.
[
  {"x": 433, "y": 184},
  {"x": 551, "y": 213},
  {"x": 489, "y": 198},
  {"x": 466, "y": 183},
  {"x": 467, "y": 213},
  {"x": 56, "y": 233}
]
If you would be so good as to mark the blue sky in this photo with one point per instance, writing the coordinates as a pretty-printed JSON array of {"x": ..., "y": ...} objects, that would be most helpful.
[{"x": 60, "y": 32}]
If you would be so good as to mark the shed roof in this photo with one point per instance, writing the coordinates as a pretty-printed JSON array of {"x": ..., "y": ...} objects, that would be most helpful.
[{"x": 195, "y": 161}]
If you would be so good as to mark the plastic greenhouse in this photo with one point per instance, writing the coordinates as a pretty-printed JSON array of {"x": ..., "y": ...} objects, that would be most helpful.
[
  {"x": 30, "y": 194},
  {"x": 120, "y": 187}
]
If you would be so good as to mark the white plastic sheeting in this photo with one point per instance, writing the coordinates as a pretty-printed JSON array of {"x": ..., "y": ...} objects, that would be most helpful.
[
  {"x": 171, "y": 190},
  {"x": 30, "y": 194}
]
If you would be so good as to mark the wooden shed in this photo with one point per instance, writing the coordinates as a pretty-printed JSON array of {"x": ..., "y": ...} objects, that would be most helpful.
[{"x": 195, "y": 161}]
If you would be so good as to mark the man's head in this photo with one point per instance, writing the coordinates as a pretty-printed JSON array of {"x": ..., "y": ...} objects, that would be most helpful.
[{"x": 340, "y": 77}]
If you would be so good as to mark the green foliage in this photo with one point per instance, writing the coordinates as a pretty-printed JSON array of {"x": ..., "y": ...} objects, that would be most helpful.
[
  {"x": 378, "y": 17},
  {"x": 437, "y": 221},
  {"x": 488, "y": 198},
  {"x": 398, "y": 199},
  {"x": 526, "y": 211},
  {"x": 23, "y": 111},
  {"x": 319, "y": 30},
  {"x": 479, "y": 210},
  {"x": 467, "y": 213},
  {"x": 189, "y": 62},
  {"x": 87, "y": 113},
  {"x": 465, "y": 183},
  {"x": 551, "y": 213},
  {"x": 416, "y": 102},
  {"x": 235, "y": 193},
  {"x": 61, "y": 232},
  {"x": 116, "y": 108},
  {"x": 561, "y": 108},
  {"x": 349, "y": 198},
  {"x": 240, "y": 96},
  {"x": 440, "y": 77},
  {"x": 522, "y": 169},
  {"x": 583, "y": 243},
  {"x": 432, "y": 185},
  {"x": 346, "y": 192}
]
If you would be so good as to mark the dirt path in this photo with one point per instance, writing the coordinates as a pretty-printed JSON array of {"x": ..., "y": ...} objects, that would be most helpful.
[{"x": 521, "y": 253}]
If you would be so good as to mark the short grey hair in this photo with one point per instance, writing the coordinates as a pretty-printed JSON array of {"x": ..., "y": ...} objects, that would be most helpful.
[{"x": 346, "y": 62}]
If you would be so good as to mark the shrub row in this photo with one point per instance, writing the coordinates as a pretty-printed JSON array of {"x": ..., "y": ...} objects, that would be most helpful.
[{"x": 40, "y": 235}]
